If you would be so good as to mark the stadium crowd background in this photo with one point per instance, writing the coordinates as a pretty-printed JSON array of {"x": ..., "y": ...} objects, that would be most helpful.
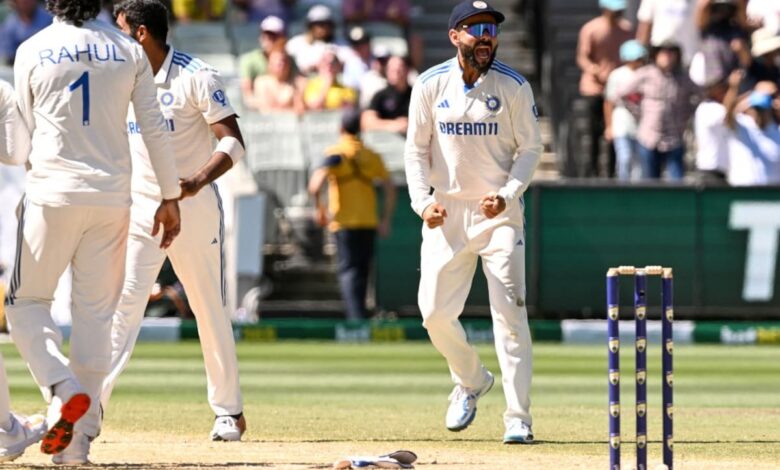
[{"x": 665, "y": 89}]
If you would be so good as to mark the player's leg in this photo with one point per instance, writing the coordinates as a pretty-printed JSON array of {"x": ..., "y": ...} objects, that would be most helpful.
[
  {"x": 366, "y": 239},
  {"x": 445, "y": 281},
  {"x": 143, "y": 262},
  {"x": 197, "y": 256},
  {"x": 5, "y": 399},
  {"x": 48, "y": 238},
  {"x": 16, "y": 432},
  {"x": 503, "y": 261},
  {"x": 95, "y": 294},
  {"x": 447, "y": 270},
  {"x": 354, "y": 251}
]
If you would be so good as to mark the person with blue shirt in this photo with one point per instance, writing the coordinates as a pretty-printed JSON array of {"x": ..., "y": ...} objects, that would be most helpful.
[{"x": 27, "y": 18}]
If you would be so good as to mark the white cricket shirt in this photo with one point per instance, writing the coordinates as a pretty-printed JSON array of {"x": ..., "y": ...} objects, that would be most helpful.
[
  {"x": 192, "y": 97},
  {"x": 468, "y": 141},
  {"x": 74, "y": 85}
]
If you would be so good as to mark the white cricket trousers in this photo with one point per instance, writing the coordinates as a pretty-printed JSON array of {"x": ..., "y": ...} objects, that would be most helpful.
[
  {"x": 93, "y": 240},
  {"x": 197, "y": 257},
  {"x": 448, "y": 261},
  {"x": 5, "y": 398}
]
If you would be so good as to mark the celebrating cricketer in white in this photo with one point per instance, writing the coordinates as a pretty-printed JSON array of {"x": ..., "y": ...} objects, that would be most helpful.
[
  {"x": 474, "y": 141},
  {"x": 193, "y": 101},
  {"x": 74, "y": 82}
]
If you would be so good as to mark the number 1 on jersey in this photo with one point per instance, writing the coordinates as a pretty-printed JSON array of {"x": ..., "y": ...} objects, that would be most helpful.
[{"x": 83, "y": 81}]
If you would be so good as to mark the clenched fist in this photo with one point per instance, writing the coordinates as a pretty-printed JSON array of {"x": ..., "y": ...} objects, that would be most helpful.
[{"x": 434, "y": 215}]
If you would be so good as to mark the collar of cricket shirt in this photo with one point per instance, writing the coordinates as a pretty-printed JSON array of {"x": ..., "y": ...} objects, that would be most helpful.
[{"x": 165, "y": 69}]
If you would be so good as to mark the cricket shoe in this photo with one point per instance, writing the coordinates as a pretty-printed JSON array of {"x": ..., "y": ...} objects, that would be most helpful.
[
  {"x": 24, "y": 432},
  {"x": 518, "y": 432},
  {"x": 67, "y": 406},
  {"x": 77, "y": 453},
  {"x": 228, "y": 428},
  {"x": 463, "y": 404}
]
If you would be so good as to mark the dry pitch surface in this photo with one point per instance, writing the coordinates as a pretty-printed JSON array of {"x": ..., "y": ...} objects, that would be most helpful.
[{"x": 309, "y": 404}]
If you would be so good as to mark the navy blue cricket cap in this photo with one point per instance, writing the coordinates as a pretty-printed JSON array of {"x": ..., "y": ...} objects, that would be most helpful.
[{"x": 470, "y": 8}]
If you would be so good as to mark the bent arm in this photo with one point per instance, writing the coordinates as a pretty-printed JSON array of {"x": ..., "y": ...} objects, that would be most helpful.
[{"x": 417, "y": 152}]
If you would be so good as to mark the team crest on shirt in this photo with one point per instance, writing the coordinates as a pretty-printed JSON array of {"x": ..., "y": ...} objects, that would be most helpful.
[
  {"x": 492, "y": 103},
  {"x": 219, "y": 97},
  {"x": 166, "y": 98}
]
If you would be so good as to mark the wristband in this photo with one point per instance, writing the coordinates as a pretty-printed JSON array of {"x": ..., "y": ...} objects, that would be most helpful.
[{"x": 232, "y": 147}]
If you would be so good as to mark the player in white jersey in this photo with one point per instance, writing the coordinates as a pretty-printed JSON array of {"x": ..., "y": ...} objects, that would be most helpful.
[
  {"x": 74, "y": 82},
  {"x": 471, "y": 150},
  {"x": 17, "y": 432},
  {"x": 192, "y": 98}
]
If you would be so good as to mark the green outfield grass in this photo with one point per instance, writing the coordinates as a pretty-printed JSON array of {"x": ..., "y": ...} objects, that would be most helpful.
[{"x": 727, "y": 403}]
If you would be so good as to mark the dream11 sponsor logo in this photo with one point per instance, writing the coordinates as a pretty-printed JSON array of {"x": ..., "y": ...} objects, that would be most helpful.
[{"x": 762, "y": 221}]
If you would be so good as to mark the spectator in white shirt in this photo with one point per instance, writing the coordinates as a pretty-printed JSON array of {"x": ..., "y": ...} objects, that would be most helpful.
[
  {"x": 620, "y": 121},
  {"x": 712, "y": 133},
  {"x": 308, "y": 47},
  {"x": 664, "y": 20}
]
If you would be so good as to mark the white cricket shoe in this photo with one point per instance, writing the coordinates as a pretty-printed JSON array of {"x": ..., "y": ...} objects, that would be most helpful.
[
  {"x": 69, "y": 404},
  {"x": 228, "y": 428},
  {"x": 518, "y": 432},
  {"x": 24, "y": 432},
  {"x": 463, "y": 404},
  {"x": 77, "y": 452}
]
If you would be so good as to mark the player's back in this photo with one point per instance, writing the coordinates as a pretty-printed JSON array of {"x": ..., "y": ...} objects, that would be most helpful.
[{"x": 74, "y": 85}]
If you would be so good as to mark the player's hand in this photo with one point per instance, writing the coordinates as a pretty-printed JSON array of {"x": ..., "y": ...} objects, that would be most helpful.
[
  {"x": 491, "y": 205},
  {"x": 434, "y": 215},
  {"x": 168, "y": 216},
  {"x": 189, "y": 186},
  {"x": 321, "y": 216},
  {"x": 608, "y": 134}
]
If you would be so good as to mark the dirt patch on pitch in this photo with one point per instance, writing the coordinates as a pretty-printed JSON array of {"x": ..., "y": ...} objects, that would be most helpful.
[{"x": 154, "y": 451}]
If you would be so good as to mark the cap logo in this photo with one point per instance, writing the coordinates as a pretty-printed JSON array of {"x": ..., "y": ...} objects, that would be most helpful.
[{"x": 479, "y": 4}]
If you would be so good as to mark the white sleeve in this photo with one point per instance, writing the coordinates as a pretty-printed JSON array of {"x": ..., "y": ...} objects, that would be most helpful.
[
  {"x": 14, "y": 138},
  {"x": 150, "y": 118},
  {"x": 645, "y": 12},
  {"x": 208, "y": 95},
  {"x": 24, "y": 99},
  {"x": 417, "y": 153},
  {"x": 529, "y": 144}
]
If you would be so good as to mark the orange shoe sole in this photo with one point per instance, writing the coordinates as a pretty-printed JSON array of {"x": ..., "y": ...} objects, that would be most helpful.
[{"x": 58, "y": 437}]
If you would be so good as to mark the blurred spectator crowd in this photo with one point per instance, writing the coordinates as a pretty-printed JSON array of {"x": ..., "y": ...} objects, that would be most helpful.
[
  {"x": 309, "y": 55},
  {"x": 707, "y": 66}
]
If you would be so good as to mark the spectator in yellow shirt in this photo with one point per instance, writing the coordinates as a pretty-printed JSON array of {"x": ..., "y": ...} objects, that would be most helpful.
[
  {"x": 324, "y": 91},
  {"x": 198, "y": 10},
  {"x": 351, "y": 170}
]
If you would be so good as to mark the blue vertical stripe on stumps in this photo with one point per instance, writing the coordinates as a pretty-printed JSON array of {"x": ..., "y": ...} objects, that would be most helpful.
[
  {"x": 613, "y": 351},
  {"x": 640, "y": 313},
  {"x": 667, "y": 303}
]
